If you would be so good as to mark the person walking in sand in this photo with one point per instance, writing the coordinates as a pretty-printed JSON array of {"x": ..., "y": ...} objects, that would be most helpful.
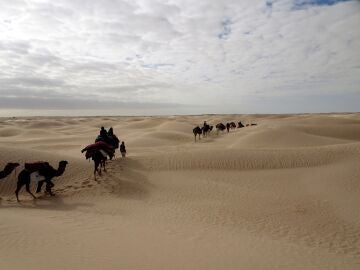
[{"x": 122, "y": 149}]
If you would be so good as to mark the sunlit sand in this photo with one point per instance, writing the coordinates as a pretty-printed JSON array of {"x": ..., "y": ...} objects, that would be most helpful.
[{"x": 284, "y": 194}]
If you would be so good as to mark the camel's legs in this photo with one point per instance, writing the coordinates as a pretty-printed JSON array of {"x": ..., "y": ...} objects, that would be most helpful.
[
  {"x": 40, "y": 183},
  {"x": 19, "y": 186},
  {"x": 28, "y": 190},
  {"x": 104, "y": 162},
  {"x": 49, "y": 185},
  {"x": 96, "y": 168},
  {"x": 99, "y": 167}
]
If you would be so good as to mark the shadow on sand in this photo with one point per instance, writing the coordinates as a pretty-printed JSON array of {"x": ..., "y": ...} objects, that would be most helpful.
[{"x": 45, "y": 203}]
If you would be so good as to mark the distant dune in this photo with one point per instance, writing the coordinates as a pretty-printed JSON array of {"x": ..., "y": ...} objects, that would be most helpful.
[{"x": 284, "y": 194}]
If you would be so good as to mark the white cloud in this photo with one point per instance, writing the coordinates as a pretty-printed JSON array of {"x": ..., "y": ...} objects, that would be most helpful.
[{"x": 214, "y": 53}]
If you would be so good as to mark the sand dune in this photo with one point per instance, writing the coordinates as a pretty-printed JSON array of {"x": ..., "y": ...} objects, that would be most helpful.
[
  {"x": 246, "y": 159},
  {"x": 280, "y": 195},
  {"x": 287, "y": 137},
  {"x": 9, "y": 132}
]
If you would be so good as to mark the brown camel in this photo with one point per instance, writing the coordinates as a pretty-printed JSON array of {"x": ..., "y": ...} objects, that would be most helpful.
[
  {"x": 8, "y": 169},
  {"x": 44, "y": 169}
]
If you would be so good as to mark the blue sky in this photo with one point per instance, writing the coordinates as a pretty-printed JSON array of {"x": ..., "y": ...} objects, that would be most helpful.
[
  {"x": 300, "y": 3},
  {"x": 218, "y": 56}
]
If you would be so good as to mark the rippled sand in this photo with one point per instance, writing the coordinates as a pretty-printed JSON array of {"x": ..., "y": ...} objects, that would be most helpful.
[{"x": 284, "y": 194}]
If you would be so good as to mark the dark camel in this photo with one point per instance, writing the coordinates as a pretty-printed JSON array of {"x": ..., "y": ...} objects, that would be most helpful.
[
  {"x": 110, "y": 138},
  {"x": 8, "y": 169},
  {"x": 110, "y": 150},
  {"x": 232, "y": 125},
  {"x": 197, "y": 131},
  {"x": 99, "y": 160},
  {"x": 206, "y": 129},
  {"x": 240, "y": 125},
  {"x": 47, "y": 171},
  {"x": 220, "y": 127},
  {"x": 228, "y": 127}
]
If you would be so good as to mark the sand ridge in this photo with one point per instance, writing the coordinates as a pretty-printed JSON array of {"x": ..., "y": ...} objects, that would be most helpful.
[{"x": 280, "y": 195}]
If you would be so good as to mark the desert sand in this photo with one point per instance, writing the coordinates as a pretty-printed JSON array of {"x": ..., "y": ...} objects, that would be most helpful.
[{"x": 284, "y": 194}]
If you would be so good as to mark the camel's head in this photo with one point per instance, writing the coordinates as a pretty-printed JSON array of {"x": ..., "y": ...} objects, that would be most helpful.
[
  {"x": 63, "y": 163},
  {"x": 88, "y": 154}
]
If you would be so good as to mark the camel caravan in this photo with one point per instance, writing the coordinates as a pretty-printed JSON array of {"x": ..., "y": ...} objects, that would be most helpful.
[
  {"x": 206, "y": 129},
  {"x": 103, "y": 148},
  {"x": 100, "y": 151},
  {"x": 43, "y": 173}
]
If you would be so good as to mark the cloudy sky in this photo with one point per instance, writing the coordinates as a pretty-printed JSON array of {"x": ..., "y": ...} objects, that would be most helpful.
[{"x": 181, "y": 56}]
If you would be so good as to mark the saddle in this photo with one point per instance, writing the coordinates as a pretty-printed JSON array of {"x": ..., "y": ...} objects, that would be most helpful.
[
  {"x": 101, "y": 146},
  {"x": 97, "y": 146},
  {"x": 36, "y": 166}
]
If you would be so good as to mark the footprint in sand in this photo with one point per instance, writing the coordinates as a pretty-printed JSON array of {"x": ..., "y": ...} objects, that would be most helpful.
[{"x": 71, "y": 187}]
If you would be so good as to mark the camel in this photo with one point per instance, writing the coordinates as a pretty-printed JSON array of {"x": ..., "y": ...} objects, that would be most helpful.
[
  {"x": 240, "y": 125},
  {"x": 8, "y": 169},
  {"x": 232, "y": 125},
  {"x": 219, "y": 127},
  {"x": 206, "y": 129},
  {"x": 110, "y": 138},
  {"x": 98, "y": 152},
  {"x": 111, "y": 142},
  {"x": 99, "y": 159},
  {"x": 197, "y": 131},
  {"x": 228, "y": 127},
  {"x": 44, "y": 169}
]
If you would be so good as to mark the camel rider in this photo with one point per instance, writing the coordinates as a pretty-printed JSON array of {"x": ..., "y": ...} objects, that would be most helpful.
[
  {"x": 110, "y": 132},
  {"x": 103, "y": 132}
]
